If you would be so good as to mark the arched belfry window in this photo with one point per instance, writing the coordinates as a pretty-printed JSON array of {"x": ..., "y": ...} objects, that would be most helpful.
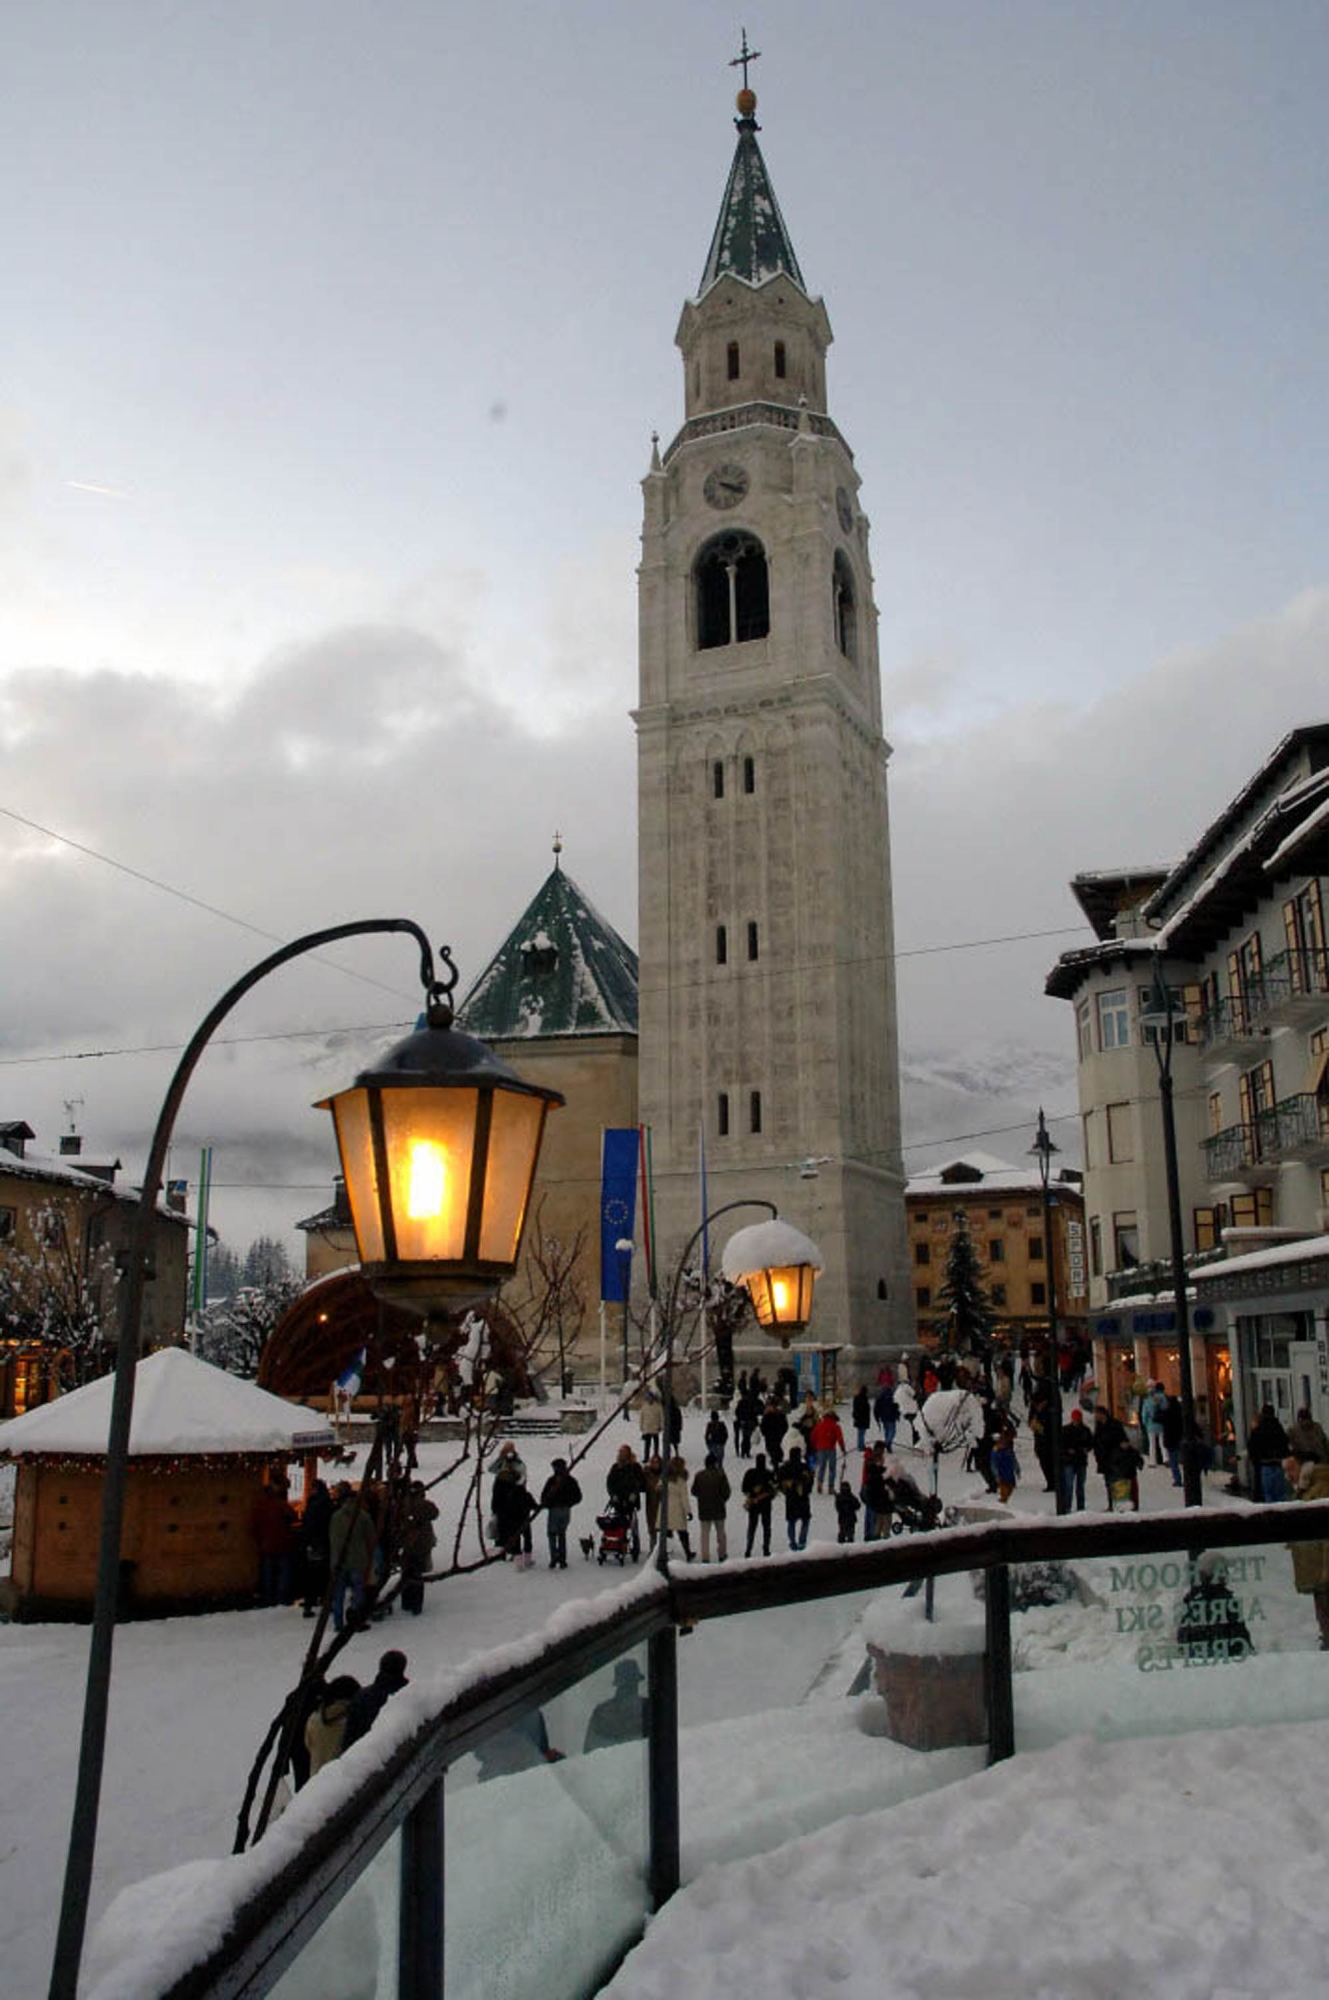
[
  {"x": 733, "y": 590},
  {"x": 846, "y": 607}
]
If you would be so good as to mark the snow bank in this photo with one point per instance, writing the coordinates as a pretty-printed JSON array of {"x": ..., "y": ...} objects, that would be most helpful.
[{"x": 1194, "y": 1872}]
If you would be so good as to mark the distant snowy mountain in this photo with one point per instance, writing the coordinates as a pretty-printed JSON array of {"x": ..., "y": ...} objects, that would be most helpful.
[{"x": 951, "y": 1098}]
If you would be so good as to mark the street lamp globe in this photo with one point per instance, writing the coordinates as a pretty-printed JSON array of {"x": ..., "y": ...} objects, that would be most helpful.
[
  {"x": 779, "y": 1267},
  {"x": 439, "y": 1144}
]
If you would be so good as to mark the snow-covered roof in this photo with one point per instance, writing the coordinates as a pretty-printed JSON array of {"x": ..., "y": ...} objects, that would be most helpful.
[
  {"x": 763, "y": 1246},
  {"x": 1225, "y": 876},
  {"x": 1315, "y": 823},
  {"x": 990, "y": 1176},
  {"x": 561, "y": 970},
  {"x": 50, "y": 1169},
  {"x": 181, "y": 1406},
  {"x": 1305, "y": 1249}
]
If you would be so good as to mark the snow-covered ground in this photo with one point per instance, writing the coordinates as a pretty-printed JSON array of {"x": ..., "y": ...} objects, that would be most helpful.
[
  {"x": 772, "y": 1749},
  {"x": 1192, "y": 1869}
]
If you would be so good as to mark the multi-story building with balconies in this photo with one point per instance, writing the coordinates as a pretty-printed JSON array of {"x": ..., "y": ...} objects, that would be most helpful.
[{"x": 1237, "y": 930}]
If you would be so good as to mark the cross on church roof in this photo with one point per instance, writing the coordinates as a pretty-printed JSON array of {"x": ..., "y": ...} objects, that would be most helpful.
[{"x": 744, "y": 57}]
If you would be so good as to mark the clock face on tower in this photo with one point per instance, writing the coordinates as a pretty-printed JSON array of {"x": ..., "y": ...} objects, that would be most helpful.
[
  {"x": 725, "y": 485},
  {"x": 844, "y": 509}
]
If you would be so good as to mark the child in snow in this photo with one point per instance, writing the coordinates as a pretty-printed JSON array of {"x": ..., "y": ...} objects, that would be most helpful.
[
  {"x": 847, "y": 1504},
  {"x": 1005, "y": 1465}
]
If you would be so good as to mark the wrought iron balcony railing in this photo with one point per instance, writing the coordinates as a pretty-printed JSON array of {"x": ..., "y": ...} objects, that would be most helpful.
[
  {"x": 1238, "y": 1020},
  {"x": 1296, "y": 1128},
  {"x": 1296, "y": 985}
]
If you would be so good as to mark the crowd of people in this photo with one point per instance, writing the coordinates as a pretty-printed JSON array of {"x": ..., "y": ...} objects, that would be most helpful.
[
  {"x": 353, "y": 1534},
  {"x": 786, "y": 1453}
]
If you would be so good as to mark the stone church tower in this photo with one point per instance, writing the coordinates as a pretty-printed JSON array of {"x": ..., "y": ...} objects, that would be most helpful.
[{"x": 767, "y": 996}]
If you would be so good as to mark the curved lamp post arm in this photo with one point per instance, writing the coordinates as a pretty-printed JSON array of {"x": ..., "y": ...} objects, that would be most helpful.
[
  {"x": 662, "y": 1552},
  {"x": 92, "y": 1743}
]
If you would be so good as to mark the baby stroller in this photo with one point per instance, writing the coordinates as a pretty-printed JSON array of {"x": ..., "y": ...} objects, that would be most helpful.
[
  {"x": 912, "y": 1508},
  {"x": 618, "y": 1536}
]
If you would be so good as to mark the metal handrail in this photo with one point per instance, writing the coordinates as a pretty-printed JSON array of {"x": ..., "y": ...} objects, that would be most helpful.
[
  {"x": 1300, "y": 972},
  {"x": 1235, "y": 1016},
  {"x": 275, "y": 1920}
]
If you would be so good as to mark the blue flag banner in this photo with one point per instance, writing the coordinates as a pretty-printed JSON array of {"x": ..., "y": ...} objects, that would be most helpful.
[{"x": 618, "y": 1205}]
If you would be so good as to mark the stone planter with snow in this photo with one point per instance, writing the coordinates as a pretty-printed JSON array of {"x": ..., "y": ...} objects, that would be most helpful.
[{"x": 930, "y": 1674}]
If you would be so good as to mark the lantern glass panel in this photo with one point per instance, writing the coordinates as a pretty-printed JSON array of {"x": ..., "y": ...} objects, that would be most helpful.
[
  {"x": 350, "y": 1113},
  {"x": 430, "y": 1137},
  {"x": 514, "y": 1147},
  {"x": 759, "y": 1291}
]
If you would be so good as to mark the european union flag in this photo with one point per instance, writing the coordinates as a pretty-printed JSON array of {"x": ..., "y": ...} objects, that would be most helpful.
[{"x": 618, "y": 1205}]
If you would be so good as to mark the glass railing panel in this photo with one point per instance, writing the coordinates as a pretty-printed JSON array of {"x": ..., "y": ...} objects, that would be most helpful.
[
  {"x": 785, "y": 1722},
  {"x": 545, "y": 1843},
  {"x": 1162, "y": 1644},
  {"x": 353, "y": 1954}
]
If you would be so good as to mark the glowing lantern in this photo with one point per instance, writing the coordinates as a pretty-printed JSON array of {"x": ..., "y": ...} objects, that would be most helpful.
[
  {"x": 779, "y": 1266},
  {"x": 439, "y": 1146}
]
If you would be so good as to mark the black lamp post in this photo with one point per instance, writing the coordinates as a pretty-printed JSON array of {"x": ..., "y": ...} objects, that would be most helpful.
[
  {"x": 1163, "y": 1016},
  {"x": 1043, "y": 1148},
  {"x": 623, "y": 1251},
  {"x": 439, "y": 1147},
  {"x": 779, "y": 1273}
]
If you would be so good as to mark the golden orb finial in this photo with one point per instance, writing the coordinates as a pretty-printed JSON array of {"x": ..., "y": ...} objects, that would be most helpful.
[{"x": 746, "y": 102}]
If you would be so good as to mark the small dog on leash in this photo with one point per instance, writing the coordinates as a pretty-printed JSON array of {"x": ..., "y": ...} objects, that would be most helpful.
[{"x": 588, "y": 1546}]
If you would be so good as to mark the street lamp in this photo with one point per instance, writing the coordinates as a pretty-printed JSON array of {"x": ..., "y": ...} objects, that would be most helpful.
[
  {"x": 438, "y": 1146},
  {"x": 779, "y": 1267},
  {"x": 623, "y": 1252},
  {"x": 1164, "y": 1016},
  {"x": 1043, "y": 1148}
]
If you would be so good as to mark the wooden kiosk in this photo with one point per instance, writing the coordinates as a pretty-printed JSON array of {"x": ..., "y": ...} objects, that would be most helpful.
[{"x": 201, "y": 1444}]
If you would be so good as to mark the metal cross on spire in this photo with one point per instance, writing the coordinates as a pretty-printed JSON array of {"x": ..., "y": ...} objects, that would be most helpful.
[{"x": 744, "y": 57}]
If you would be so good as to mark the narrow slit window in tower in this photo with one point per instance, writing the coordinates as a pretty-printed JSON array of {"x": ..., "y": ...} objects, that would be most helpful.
[
  {"x": 846, "y": 619},
  {"x": 779, "y": 359},
  {"x": 722, "y": 1114},
  {"x": 752, "y": 940},
  {"x": 732, "y": 358},
  {"x": 721, "y": 945},
  {"x": 749, "y": 774},
  {"x": 717, "y": 777},
  {"x": 754, "y": 1111}
]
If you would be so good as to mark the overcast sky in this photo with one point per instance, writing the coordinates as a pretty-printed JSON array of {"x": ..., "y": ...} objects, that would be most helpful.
[{"x": 334, "y": 337}]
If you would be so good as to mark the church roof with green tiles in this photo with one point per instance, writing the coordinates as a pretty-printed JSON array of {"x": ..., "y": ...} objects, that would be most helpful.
[
  {"x": 561, "y": 970},
  {"x": 750, "y": 240}
]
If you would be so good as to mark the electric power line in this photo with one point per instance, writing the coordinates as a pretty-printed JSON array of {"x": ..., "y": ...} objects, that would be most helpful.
[
  {"x": 183, "y": 896},
  {"x": 383, "y": 1027}
]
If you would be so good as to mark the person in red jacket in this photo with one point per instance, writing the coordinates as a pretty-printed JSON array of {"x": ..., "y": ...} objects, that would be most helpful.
[
  {"x": 828, "y": 1446},
  {"x": 272, "y": 1524}
]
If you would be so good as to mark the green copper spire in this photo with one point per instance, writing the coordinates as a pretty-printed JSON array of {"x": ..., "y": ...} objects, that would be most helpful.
[
  {"x": 562, "y": 970},
  {"x": 750, "y": 240}
]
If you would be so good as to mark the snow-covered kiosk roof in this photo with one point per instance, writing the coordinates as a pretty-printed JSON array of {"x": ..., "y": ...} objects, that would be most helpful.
[{"x": 182, "y": 1406}]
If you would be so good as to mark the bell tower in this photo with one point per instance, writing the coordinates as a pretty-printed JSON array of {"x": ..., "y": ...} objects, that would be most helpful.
[{"x": 767, "y": 978}]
